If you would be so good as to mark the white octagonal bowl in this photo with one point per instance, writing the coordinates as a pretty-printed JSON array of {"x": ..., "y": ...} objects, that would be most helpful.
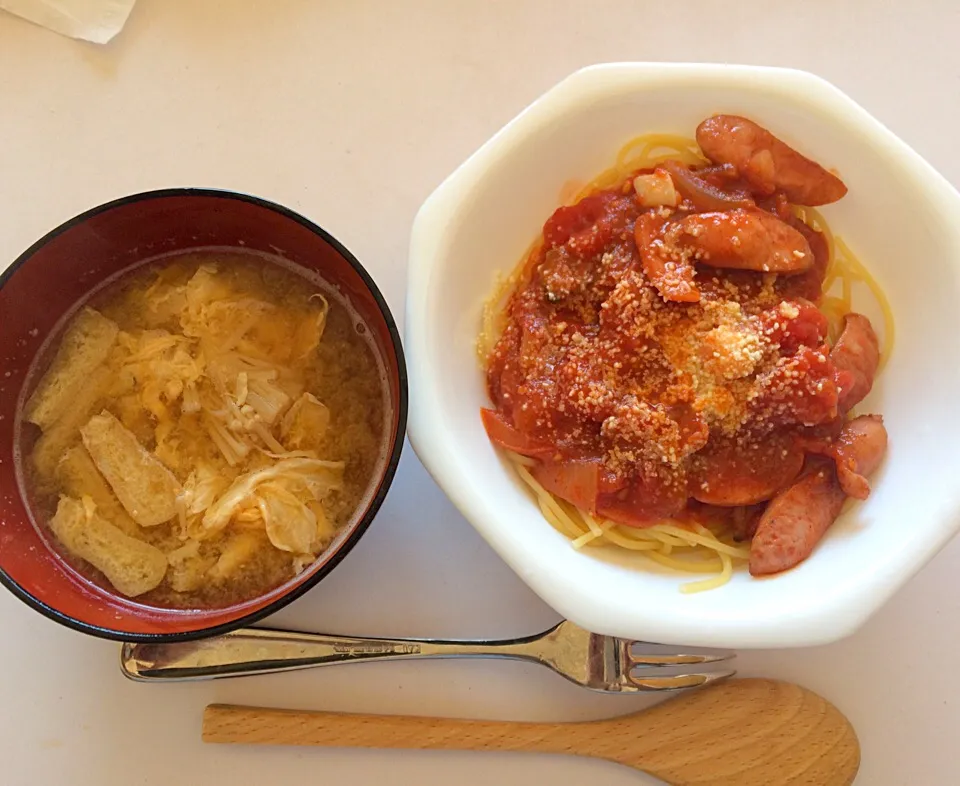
[{"x": 901, "y": 218}]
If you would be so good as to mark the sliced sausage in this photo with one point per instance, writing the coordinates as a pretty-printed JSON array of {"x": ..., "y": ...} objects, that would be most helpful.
[
  {"x": 856, "y": 356},
  {"x": 744, "y": 239},
  {"x": 765, "y": 162},
  {"x": 858, "y": 451},
  {"x": 670, "y": 271},
  {"x": 795, "y": 521},
  {"x": 729, "y": 475},
  {"x": 809, "y": 284}
]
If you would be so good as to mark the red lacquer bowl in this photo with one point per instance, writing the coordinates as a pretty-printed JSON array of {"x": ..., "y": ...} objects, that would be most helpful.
[{"x": 57, "y": 271}]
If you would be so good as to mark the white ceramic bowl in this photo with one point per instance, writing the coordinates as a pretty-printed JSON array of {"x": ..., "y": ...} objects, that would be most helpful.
[{"x": 900, "y": 217}]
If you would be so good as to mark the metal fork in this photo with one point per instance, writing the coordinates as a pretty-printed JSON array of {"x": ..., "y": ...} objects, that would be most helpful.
[{"x": 601, "y": 663}]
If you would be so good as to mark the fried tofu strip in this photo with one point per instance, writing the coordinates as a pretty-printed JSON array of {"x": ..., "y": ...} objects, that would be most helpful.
[
  {"x": 84, "y": 347},
  {"x": 130, "y": 565},
  {"x": 62, "y": 435},
  {"x": 145, "y": 487},
  {"x": 81, "y": 478}
]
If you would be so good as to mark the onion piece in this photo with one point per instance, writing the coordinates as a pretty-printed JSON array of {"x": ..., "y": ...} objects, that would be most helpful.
[{"x": 655, "y": 190}]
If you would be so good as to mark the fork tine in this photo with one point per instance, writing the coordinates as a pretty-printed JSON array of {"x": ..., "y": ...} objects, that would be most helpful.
[
  {"x": 680, "y": 681},
  {"x": 638, "y": 658},
  {"x": 679, "y": 660}
]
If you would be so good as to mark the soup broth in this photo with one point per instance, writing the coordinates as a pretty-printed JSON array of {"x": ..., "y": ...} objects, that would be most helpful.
[{"x": 206, "y": 426}]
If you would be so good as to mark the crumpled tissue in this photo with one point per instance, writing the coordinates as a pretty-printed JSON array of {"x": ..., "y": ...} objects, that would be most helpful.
[{"x": 90, "y": 20}]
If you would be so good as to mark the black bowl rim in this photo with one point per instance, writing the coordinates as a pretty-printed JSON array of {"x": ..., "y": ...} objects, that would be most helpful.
[{"x": 389, "y": 472}]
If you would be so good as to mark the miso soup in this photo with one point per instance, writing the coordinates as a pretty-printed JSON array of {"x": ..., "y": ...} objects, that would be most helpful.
[{"x": 202, "y": 429}]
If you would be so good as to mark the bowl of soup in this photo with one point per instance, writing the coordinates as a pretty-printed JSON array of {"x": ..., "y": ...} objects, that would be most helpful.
[{"x": 202, "y": 409}]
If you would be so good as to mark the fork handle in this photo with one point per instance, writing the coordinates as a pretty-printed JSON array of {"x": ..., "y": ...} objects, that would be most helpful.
[{"x": 261, "y": 651}]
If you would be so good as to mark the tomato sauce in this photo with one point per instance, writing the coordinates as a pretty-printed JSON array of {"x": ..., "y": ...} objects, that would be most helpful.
[{"x": 646, "y": 392}]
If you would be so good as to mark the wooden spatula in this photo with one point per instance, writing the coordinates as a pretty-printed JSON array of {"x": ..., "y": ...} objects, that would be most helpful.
[{"x": 747, "y": 732}]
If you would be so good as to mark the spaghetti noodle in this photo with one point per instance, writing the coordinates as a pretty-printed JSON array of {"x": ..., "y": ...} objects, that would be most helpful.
[{"x": 697, "y": 547}]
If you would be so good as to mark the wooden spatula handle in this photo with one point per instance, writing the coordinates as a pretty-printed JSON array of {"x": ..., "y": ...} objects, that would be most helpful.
[
  {"x": 252, "y": 725},
  {"x": 737, "y": 733}
]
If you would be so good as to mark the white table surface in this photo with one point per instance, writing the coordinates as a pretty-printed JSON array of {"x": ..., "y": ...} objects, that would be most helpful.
[{"x": 351, "y": 113}]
